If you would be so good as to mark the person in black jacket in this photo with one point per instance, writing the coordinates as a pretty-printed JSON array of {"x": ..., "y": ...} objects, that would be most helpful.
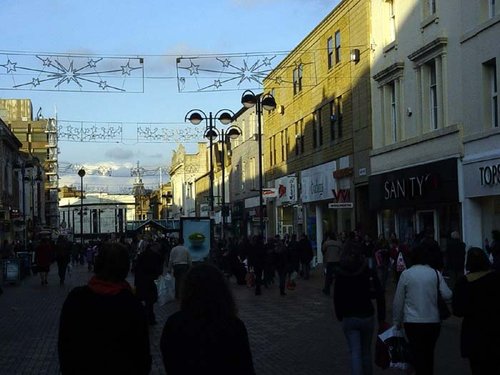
[
  {"x": 147, "y": 269},
  {"x": 476, "y": 298},
  {"x": 356, "y": 284},
  {"x": 281, "y": 262},
  {"x": 257, "y": 260},
  {"x": 206, "y": 336},
  {"x": 103, "y": 327},
  {"x": 306, "y": 255}
]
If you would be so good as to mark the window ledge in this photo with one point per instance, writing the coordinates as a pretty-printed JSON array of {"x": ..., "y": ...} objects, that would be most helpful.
[
  {"x": 479, "y": 29},
  {"x": 391, "y": 46},
  {"x": 439, "y": 133},
  {"x": 429, "y": 20}
]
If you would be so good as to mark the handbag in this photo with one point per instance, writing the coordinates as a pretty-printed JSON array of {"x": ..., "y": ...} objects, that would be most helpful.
[
  {"x": 444, "y": 311},
  {"x": 382, "y": 350}
]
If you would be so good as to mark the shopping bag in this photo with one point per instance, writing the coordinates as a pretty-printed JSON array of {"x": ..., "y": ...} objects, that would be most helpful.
[
  {"x": 400, "y": 263},
  {"x": 166, "y": 288},
  {"x": 399, "y": 350},
  {"x": 382, "y": 355}
]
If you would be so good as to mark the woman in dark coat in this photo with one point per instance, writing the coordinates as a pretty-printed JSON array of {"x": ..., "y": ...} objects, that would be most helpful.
[
  {"x": 306, "y": 255},
  {"x": 44, "y": 256},
  {"x": 476, "y": 298},
  {"x": 206, "y": 336},
  {"x": 148, "y": 268},
  {"x": 355, "y": 286},
  {"x": 103, "y": 327}
]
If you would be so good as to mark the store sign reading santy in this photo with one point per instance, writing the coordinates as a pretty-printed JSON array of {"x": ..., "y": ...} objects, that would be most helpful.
[{"x": 405, "y": 188}]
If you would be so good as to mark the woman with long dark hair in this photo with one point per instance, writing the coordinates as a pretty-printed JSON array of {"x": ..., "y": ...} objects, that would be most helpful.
[{"x": 206, "y": 336}]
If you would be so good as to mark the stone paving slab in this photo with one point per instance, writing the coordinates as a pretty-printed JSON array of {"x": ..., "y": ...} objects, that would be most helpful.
[{"x": 292, "y": 335}]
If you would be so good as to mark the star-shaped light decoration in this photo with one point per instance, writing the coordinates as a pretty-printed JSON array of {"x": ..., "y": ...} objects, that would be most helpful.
[
  {"x": 193, "y": 69},
  {"x": 35, "y": 82},
  {"x": 279, "y": 80},
  {"x": 126, "y": 69},
  {"x": 103, "y": 85},
  {"x": 10, "y": 66},
  {"x": 225, "y": 63},
  {"x": 47, "y": 62},
  {"x": 249, "y": 73},
  {"x": 67, "y": 74},
  {"x": 217, "y": 83},
  {"x": 92, "y": 63},
  {"x": 267, "y": 61}
]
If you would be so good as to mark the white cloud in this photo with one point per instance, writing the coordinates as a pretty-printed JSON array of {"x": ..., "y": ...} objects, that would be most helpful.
[{"x": 119, "y": 153}]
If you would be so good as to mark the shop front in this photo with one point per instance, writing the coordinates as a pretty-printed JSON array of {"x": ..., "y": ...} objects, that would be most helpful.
[
  {"x": 481, "y": 198},
  {"x": 327, "y": 199},
  {"x": 252, "y": 217},
  {"x": 411, "y": 200},
  {"x": 285, "y": 205}
]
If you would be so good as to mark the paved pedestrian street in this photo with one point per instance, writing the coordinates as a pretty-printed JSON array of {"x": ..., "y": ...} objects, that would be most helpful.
[{"x": 296, "y": 334}]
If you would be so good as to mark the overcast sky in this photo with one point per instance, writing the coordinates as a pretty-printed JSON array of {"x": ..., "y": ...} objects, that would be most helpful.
[{"x": 113, "y": 33}]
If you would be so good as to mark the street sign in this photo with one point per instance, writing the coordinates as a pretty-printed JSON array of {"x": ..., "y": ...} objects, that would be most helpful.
[
  {"x": 269, "y": 192},
  {"x": 341, "y": 205}
]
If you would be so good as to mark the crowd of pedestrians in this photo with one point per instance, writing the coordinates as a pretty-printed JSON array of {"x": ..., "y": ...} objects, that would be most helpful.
[{"x": 207, "y": 326}]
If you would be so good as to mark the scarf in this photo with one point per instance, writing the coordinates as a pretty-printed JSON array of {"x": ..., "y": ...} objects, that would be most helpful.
[{"x": 108, "y": 288}]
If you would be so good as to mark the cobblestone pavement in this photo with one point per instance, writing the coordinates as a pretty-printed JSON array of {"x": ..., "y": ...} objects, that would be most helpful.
[{"x": 292, "y": 334}]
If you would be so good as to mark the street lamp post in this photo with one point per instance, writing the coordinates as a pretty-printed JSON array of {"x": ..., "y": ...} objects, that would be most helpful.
[
  {"x": 81, "y": 173},
  {"x": 267, "y": 102},
  {"x": 195, "y": 117},
  {"x": 232, "y": 132}
]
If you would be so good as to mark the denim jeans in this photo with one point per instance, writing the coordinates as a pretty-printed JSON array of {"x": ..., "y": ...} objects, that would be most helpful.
[{"x": 359, "y": 333}]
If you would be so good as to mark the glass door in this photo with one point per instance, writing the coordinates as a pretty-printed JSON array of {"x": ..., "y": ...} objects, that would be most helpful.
[{"x": 428, "y": 220}]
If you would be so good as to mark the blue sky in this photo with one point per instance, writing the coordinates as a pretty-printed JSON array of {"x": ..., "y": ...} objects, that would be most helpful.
[{"x": 158, "y": 31}]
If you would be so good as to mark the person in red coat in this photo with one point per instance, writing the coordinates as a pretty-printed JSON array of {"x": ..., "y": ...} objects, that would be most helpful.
[{"x": 44, "y": 256}]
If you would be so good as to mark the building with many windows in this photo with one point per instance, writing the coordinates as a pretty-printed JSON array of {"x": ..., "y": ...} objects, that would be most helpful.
[
  {"x": 417, "y": 118},
  {"x": 185, "y": 169},
  {"x": 244, "y": 177},
  {"x": 39, "y": 139},
  {"x": 317, "y": 141}
]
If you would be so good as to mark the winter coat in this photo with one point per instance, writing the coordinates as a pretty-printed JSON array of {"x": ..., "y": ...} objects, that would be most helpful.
[
  {"x": 476, "y": 298},
  {"x": 353, "y": 293},
  {"x": 306, "y": 253},
  {"x": 147, "y": 269},
  {"x": 102, "y": 333}
]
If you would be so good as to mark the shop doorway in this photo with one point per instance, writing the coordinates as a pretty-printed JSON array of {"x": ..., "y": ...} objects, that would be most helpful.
[{"x": 428, "y": 219}]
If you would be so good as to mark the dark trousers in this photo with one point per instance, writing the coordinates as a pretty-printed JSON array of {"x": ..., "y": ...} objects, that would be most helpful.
[
  {"x": 422, "y": 338},
  {"x": 282, "y": 280},
  {"x": 306, "y": 270},
  {"x": 331, "y": 268},
  {"x": 258, "y": 279},
  {"x": 61, "y": 270},
  {"x": 179, "y": 273}
]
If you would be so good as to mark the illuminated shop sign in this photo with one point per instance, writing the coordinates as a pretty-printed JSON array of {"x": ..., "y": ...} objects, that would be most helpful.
[{"x": 428, "y": 183}]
